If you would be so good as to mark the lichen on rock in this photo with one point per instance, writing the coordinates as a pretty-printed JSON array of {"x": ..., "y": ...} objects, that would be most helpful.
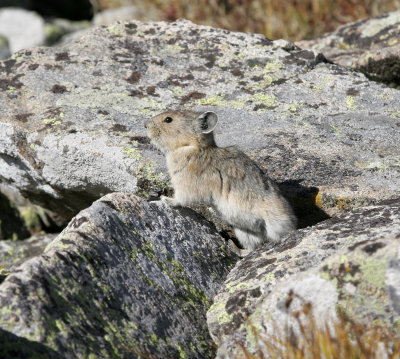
[
  {"x": 125, "y": 278},
  {"x": 348, "y": 263}
]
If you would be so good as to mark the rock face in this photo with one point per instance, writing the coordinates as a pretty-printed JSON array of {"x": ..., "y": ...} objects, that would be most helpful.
[
  {"x": 23, "y": 29},
  {"x": 125, "y": 278},
  {"x": 371, "y": 46},
  {"x": 13, "y": 253},
  {"x": 141, "y": 11},
  {"x": 351, "y": 262},
  {"x": 71, "y": 127}
]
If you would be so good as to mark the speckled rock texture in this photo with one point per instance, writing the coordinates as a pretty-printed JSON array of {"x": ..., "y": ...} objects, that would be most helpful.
[
  {"x": 13, "y": 253},
  {"x": 71, "y": 127},
  {"x": 371, "y": 46},
  {"x": 125, "y": 278},
  {"x": 351, "y": 263}
]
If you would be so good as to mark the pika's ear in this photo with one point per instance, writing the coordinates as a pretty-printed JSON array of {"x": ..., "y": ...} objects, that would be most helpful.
[{"x": 206, "y": 122}]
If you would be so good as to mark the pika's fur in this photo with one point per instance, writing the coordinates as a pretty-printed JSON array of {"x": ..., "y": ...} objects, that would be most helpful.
[{"x": 224, "y": 178}]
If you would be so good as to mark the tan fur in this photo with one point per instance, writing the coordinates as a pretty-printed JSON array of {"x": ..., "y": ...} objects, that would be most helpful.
[{"x": 224, "y": 178}]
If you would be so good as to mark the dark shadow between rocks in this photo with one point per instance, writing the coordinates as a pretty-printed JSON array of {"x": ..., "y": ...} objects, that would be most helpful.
[
  {"x": 303, "y": 201},
  {"x": 13, "y": 347}
]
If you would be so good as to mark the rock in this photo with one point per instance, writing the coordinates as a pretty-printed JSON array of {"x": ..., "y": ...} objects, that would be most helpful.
[
  {"x": 125, "y": 278},
  {"x": 57, "y": 29},
  {"x": 370, "y": 45},
  {"x": 351, "y": 262},
  {"x": 11, "y": 223},
  {"x": 23, "y": 29},
  {"x": 72, "y": 122},
  {"x": 141, "y": 11},
  {"x": 32, "y": 217},
  {"x": 4, "y": 50},
  {"x": 14, "y": 253}
]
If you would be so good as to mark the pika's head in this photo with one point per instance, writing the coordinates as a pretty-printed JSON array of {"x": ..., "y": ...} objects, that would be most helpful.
[{"x": 174, "y": 129}]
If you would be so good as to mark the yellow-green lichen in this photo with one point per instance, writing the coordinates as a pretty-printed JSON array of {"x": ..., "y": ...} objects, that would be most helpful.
[
  {"x": 153, "y": 339},
  {"x": 11, "y": 89},
  {"x": 149, "y": 179},
  {"x": 272, "y": 67},
  {"x": 269, "y": 277},
  {"x": 131, "y": 152},
  {"x": 252, "y": 337},
  {"x": 18, "y": 57},
  {"x": 224, "y": 317},
  {"x": 395, "y": 114},
  {"x": 174, "y": 48},
  {"x": 31, "y": 217},
  {"x": 265, "y": 99},
  {"x": 215, "y": 100},
  {"x": 293, "y": 107},
  {"x": 338, "y": 132},
  {"x": 372, "y": 165},
  {"x": 181, "y": 351},
  {"x": 393, "y": 42},
  {"x": 368, "y": 56},
  {"x": 113, "y": 30},
  {"x": 315, "y": 87},
  {"x": 386, "y": 97},
  {"x": 350, "y": 103},
  {"x": 51, "y": 121},
  {"x": 177, "y": 91},
  {"x": 235, "y": 286},
  {"x": 343, "y": 45},
  {"x": 373, "y": 271},
  {"x": 3, "y": 41}
]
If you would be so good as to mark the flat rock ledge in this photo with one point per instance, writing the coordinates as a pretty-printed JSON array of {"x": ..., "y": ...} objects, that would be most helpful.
[
  {"x": 125, "y": 278},
  {"x": 351, "y": 263},
  {"x": 370, "y": 45},
  {"x": 72, "y": 121}
]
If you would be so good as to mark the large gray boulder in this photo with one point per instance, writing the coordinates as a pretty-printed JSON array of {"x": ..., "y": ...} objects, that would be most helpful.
[
  {"x": 369, "y": 45},
  {"x": 71, "y": 127},
  {"x": 23, "y": 29},
  {"x": 350, "y": 263},
  {"x": 13, "y": 253},
  {"x": 125, "y": 278}
]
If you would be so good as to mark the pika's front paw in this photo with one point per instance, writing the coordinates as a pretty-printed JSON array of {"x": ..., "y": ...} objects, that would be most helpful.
[{"x": 169, "y": 200}]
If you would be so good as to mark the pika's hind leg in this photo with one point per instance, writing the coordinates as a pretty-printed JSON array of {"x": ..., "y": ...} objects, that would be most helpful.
[{"x": 247, "y": 239}]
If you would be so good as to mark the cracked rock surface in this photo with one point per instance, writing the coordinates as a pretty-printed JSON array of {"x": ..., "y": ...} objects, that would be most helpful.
[
  {"x": 125, "y": 278},
  {"x": 371, "y": 46},
  {"x": 350, "y": 263}
]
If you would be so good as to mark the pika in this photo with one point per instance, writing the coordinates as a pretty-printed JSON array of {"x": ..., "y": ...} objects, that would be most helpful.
[{"x": 224, "y": 178}]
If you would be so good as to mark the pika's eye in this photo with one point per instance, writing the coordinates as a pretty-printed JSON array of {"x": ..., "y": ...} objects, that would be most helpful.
[{"x": 168, "y": 119}]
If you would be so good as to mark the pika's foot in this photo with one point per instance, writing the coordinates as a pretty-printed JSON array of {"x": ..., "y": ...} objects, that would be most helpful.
[
  {"x": 235, "y": 249},
  {"x": 169, "y": 200}
]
